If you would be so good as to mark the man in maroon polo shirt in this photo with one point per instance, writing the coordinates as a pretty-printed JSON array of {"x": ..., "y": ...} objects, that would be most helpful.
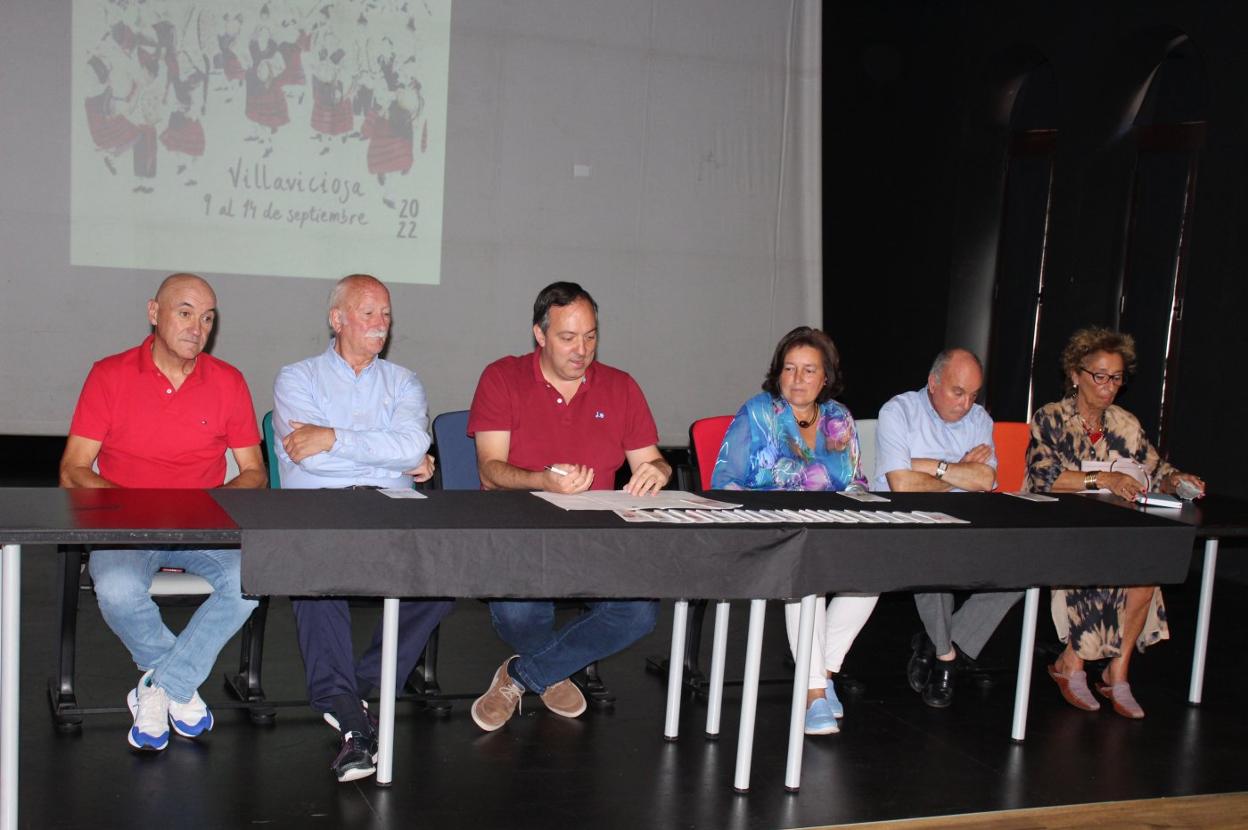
[
  {"x": 162, "y": 415},
  {"x": 555, "y": 420}
]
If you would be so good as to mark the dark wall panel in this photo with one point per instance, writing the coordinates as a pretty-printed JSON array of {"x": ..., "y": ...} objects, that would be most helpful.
[{"x": 906, "y": 200}]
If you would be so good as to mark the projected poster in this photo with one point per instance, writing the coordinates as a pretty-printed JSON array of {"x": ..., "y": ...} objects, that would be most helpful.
[{"x": 293, "y": 137}]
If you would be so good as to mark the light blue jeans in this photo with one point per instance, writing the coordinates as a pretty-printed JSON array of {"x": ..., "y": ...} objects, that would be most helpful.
[
  {"x": 122, "y": 581},
  {"x": 548, "y": 656}
]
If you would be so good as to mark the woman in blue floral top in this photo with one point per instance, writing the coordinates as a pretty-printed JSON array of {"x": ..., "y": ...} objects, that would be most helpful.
[{"x": 794, "y": 436}]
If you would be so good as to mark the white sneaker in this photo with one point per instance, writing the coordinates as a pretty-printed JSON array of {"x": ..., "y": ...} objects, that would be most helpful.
[
  {"x": 190, "y": 720},
  {"x": 150, "y": 707}
]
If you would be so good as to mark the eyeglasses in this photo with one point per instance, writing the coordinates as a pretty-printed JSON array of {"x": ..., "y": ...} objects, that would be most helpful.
[{"x": 1102, "y": 378}]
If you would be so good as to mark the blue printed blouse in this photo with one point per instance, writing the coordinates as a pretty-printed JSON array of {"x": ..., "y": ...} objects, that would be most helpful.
[{"x": 763, "y": 450}]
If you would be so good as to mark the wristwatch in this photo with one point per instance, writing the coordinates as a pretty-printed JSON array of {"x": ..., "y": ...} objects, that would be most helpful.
[
  {"x": 942, "y": 467},
  {"x": 1089, "y": 482}
]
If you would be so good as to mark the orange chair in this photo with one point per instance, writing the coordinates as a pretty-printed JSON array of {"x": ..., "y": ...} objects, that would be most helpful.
[{"x": 1010, "y": 439}]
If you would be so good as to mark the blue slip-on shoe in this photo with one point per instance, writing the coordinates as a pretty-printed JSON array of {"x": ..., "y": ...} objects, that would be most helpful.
[
  {"x": 819, "y": 718},
  {"x": 191, "y": 719},
  {"x": 829, "y": 691},
  {"x": 149, "y": 705}
]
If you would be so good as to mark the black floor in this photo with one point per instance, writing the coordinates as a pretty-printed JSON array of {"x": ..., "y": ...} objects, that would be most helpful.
[{"x": 894, "y": 758}]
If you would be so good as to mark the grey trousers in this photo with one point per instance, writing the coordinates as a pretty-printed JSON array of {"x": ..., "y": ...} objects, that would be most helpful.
[{"x": 969, "y": 627}]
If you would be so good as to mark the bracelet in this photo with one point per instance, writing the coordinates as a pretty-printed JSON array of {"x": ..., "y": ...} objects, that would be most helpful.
[
  {"x": 1089, "y": 482},
  {"x": 942, "y": 467}
]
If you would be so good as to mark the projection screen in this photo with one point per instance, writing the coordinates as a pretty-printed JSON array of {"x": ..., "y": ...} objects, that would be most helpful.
[{"x": 663, "y": 153}]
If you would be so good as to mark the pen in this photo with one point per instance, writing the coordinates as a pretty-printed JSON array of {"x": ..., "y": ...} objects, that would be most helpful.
[{"x": 556, "y": 470}]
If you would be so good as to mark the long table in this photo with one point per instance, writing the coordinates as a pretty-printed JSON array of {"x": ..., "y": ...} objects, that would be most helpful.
[
  {"x": 513, "y": 545},
  {"x": 500, "y": 544}
]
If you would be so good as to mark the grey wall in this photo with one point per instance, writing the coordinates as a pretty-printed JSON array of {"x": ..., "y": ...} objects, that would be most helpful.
[{"x": 698, "y": 229}]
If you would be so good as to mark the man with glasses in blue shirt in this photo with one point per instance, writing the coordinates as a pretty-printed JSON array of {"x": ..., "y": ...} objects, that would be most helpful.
[
  {"x": 937, "y": 439},
  {"x": 348, "y": 418}
]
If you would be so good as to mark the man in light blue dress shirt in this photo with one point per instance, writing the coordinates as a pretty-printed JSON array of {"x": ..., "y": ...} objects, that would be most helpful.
[
  {"x": 937, "y": 439},
  {"x": 348, "y": 418}
]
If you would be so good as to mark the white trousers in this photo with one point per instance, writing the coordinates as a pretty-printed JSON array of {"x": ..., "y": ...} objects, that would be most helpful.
[{"x": 836, "y": 627}]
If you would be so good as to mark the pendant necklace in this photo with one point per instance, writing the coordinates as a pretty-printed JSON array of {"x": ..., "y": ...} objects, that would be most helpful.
[{"x": 1094, "y": 435}]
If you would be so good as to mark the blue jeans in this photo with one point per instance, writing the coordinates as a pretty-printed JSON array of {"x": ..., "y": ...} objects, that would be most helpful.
[
  {"x": 547, "y": 656},
  {"x": 122, "y": 581}
]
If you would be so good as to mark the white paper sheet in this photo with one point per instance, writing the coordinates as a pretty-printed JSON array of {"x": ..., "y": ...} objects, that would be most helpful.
[
  {"x": 409, "y": 493},
  {"x": 620, "y": 500}
]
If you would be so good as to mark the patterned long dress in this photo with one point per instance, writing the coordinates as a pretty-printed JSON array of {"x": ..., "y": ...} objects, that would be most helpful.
[{"x": 1088, "y": 617}]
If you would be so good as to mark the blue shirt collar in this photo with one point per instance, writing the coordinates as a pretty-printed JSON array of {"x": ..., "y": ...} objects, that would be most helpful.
[{"x": 341, "y": 364}]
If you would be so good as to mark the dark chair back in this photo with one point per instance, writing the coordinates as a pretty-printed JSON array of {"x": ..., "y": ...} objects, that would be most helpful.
[{"x": 457, "y": 453}]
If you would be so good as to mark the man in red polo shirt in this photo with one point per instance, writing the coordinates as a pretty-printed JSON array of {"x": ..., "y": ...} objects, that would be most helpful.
[
  {"x": 555, "y": 420},
  {"x": 162, "y": 416}
]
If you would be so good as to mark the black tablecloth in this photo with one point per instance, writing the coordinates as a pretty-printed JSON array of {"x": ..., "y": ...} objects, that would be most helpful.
[{"x": 508, "y": 544}]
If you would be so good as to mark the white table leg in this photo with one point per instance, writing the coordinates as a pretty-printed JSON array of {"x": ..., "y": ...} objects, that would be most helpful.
[
  {"x": 676, "y": 670},
  {"x": 797, "y": 713},
  {"x": 1202, "y": 621},
  {"x": 10, "y": 668},
  {"x": 1026, "y": 650},
  {"x": 385, "y": 717},
  {"x": 749, "y": 695},
  {"x": 719, "y": 650}
]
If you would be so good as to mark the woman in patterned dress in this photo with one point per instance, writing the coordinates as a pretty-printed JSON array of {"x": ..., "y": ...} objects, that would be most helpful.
[
  {"x": 794, "y": 436},
  {"x": 1099, "y": 623}
]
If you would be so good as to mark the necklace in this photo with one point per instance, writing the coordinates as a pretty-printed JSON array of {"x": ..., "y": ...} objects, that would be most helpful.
[
  {"x": 807, "y": 422},
  {"x": 1096, "y": 434}
]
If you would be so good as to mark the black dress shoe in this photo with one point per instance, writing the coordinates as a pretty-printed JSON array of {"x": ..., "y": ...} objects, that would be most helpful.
[
  {"x": 357, "y": 758},
  {"x": 938, "y": 693},
  {"x": 920, "y": 665}
]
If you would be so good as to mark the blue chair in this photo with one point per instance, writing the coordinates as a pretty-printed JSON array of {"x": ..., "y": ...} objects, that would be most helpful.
[
  {"x": 270, "y": 451},
  {"x": 457, "y": 453},
  {"x": 457, "y": 470}
]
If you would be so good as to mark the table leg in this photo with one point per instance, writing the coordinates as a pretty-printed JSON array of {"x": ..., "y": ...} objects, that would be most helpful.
[
  {"x": 719, "y": 650},
  {"x": 1202, "y": 621},
  {"x": 797, "y": 713},
  {"x": 389, "y": 657},
  {"x": 749, "y": 695},
  {"x": 676, "y": 670},
  {"x": 10, "y": 660},
  {"x": 1026, "y": 650}
]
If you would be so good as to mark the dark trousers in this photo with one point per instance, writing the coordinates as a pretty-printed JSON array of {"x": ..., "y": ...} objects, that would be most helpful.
[{"x": 324, "y": 627}]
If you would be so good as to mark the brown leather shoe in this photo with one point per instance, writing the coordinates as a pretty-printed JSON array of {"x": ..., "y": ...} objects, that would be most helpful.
[
  {"x": 563, "y": 698},
  {"x": 1120, "y": 695},
  {"x": 1074, "y": 687},
  {"x": 500, "y": 702}
]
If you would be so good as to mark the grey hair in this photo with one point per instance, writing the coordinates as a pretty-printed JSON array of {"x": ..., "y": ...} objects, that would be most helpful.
[{"x": 942, "y": 360}]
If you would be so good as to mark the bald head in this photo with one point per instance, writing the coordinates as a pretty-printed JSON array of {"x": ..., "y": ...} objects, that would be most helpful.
[
  {"x": 183, "y": 313},
  {"x": 954, "y": 383},
  {"x": 174, "y": 282}
]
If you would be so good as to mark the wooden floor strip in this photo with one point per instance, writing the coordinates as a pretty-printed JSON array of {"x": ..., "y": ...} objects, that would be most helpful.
[{"x": 1205, "y": 812}]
